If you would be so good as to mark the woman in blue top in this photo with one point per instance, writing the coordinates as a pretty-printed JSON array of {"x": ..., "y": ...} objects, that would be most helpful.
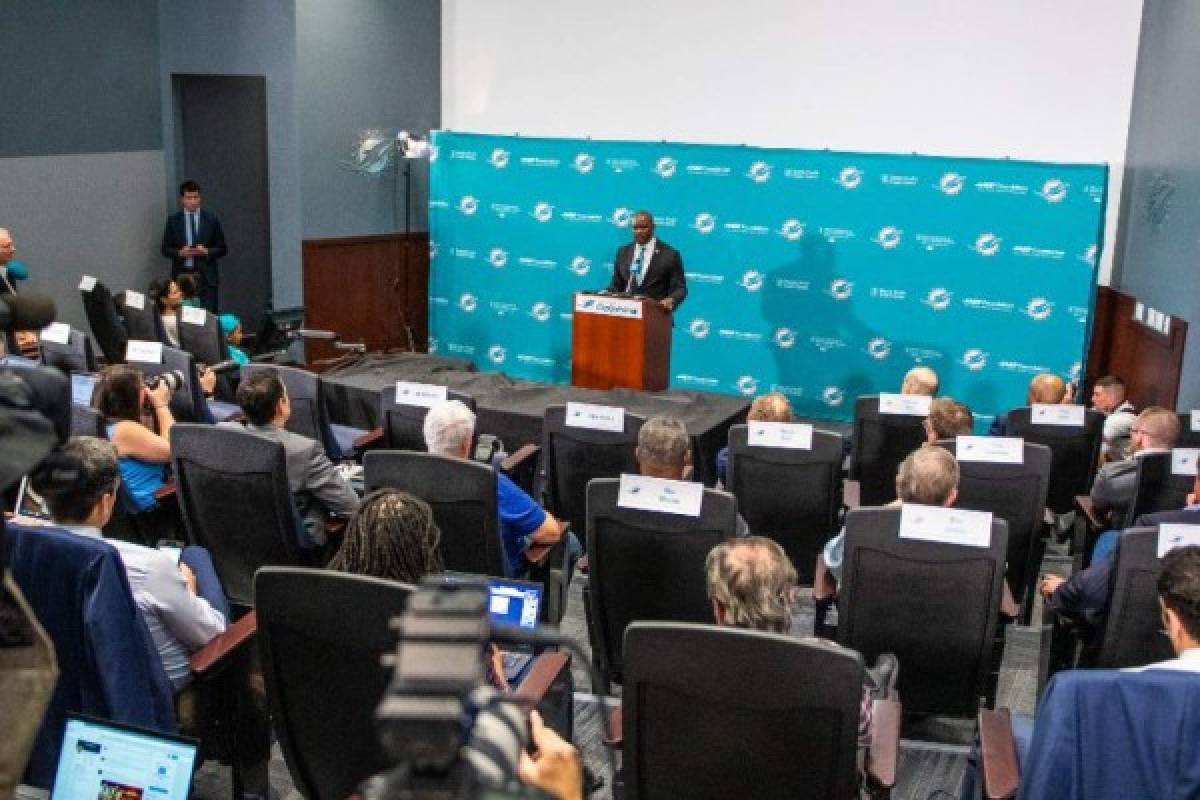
[{"x": 130, "y": 409}]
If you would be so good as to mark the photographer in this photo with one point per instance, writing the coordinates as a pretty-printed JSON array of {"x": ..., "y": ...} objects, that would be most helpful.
[{"x": 121, "y": 396}]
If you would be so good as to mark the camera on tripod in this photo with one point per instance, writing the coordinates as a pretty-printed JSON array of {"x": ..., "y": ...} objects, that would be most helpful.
[{"x": 173, "y": 378}]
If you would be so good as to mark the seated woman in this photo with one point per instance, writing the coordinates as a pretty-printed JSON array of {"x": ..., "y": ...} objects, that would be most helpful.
[
  {"x": 231, "y": 329},
  {"x": 131, "y": 414},
  {"x": 391, "y": 536},
  {"x": 167, "y": 299},
  {"x": 189, "y": 286}
]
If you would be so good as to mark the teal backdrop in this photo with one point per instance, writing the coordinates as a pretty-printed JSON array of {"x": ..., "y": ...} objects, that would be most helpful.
[{"x": 824, "y": 275}]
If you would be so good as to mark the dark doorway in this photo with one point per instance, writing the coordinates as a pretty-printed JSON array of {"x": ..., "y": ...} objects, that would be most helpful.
[{"x": 222, "y": 145}]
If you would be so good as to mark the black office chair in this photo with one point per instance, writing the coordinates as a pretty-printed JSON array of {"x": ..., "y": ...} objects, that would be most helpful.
[
  {"x": 1132, "y": 632},
  {"x": 934, "y": 605},
  {"x": 646, "y": 565},
  {"x": 462, "y": 495},
  {"x": 718, "y": 712},
  {"x": 1189, "y": 434},
  {"x": 573, "y": 456},
  {"x": 204, "y": 339},
  {"x": 310, "y": 413},
  {"x": 87, "y": 421},
  {"x": 105, "y": 321},
  {"x": 187, "y": 402},
  {"x": 74, "y": 356},
  {"x": 1017, "y": 494},
  {"x": 143, "y": 323},
  {"x": 325, "y": 678},
  {"x": 1156, "y": 488},
  {"x": 1074, "y": 451},
  {"x": 403, "y": 424},
  {"x": 881, "y": 442},
  {"x": 792, "y": 496},
  {"x": 234, "y": 498}
]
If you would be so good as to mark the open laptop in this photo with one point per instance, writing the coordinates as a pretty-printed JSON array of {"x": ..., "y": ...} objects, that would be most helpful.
[
  {"x": 103, "y": 760},
  {"x": 514, "y": 603}
]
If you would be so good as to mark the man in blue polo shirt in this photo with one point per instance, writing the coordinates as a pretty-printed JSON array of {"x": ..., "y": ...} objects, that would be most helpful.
[{"x": 449, "y": 429}]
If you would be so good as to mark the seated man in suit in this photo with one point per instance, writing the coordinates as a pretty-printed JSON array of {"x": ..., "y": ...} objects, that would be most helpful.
[
  {"x": 1044, "y": 388},
  {"x": 1108, "y": 396},
  {"x": 665, "y": 451},
  {"x": 772, "y": 407},
  {"x": 1155, "y": 431},
  {"x": 920, "y": 380},
  {"x": 947, "y": 419},
  {"x": 449, "y": 431},
  {"x": 318, "y": 488},
  {"x": 928, "y": 476},
  {"x": 182, "y": 604}
]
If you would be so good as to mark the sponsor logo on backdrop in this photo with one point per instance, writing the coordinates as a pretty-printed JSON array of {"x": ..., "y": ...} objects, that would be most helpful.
[
  {"x": 468, "y": 302},
  {"x": 951, "y": 183},
  {"x": 983, "y": 304},
  {"x": 888, "y": 237},
  {"x": 581, "y": 265},
  {"x": 499, "y": 158},
  {"x": 708, "y": 170},
  {"x": 1054, "y": 190},
  {"x": 834, "y": 235},
  {"x": 503, "y": 210},
  {"x": 938, "y": 299},
  {"x": 1079, "y": 313},
  {"x": 747, "y": 385},
  {"x": 621, "y": 164},
  {"x": 833, "y": 396},
  {"x": 752, "y": 280},
  {"x": 801, "y": 174},
  {"x": 468, "y": 205},
  {"x": 461, "y": 349},
  {"x": 1088, "y": 256},
  {"x": 987, "y": 244},
  {"x": 666, "y": 166},
  {"x": 539, "y": 263},
  {"x": 793, "y": 285},
  {"x": 922, "y": 354},
  {"x": 879, "y": 348},
  {"x": 621, "y": 217},
  {"x": 997, "y": 187},
  {"x": 463, "y": 155},
  {"x": 1039, "y": 308},
  {"x": 433, "y": 250},
  {"x": 704, "y": 223},
  {"x": 580, "y": 216},
  {"x": 462, "y": 252},
  {"x": 794, "y": 391},
  {"x": 438, "y": 205},
  {"x": 850, "y": 177},
  {"x": 539, "y": 161},
  {"x": 1017, "y": 366},
  {"x": 498, "y": 257},
  {"x": 742, "y": 227},
  {"x": 739, "y": 336},
  {"x": 665, "y": 222},
  {"x": 497, "y": 354},
  {"x": 536, "y": 361},
  {"x": 791, "y": 229},
  {"x": 439, "y": 301},
  {"x": 1029, "y": 251},
  {"x": 974, "y": 359},
  {"x": 431, "y": 344},
  {"x": 705, "y": 277},
  {"x": 880, "y": 293},
  {"x": 583, "y": 163},
  {"x": 696, "y": 380},
  {"x": 759, "y": 172},
  {"x": 784, "y": 338},
  {"x": 502, "y": 308},
  {"x": 541, "y": 311},
  {"x": 699, "y": 328},
  {"x": 827, "y": 343},
  {"x": 841, "y": 289},
  {"x": 1095, "y": 192},
  {"x": 933, "y": 241},
  {"x": 543, "y": 212},
  {"x": 892, "y": 179}
]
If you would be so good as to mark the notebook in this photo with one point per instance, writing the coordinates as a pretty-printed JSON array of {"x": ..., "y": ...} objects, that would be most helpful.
[{"x": 107, "y": 761}]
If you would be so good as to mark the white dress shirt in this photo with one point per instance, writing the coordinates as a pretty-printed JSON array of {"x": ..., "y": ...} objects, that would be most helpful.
[
  {"x": 647, "y": 254},
  {"x": 1188, "y": 661}
]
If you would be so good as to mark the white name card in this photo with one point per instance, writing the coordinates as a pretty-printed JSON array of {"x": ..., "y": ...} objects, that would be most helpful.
[
  {"x": 193, "y": 315},
  {"x": 594, "y": 417},
  {"x": 1176, "y": 534},
  {"x": 143, "y": 351},
  {"x": 913, "y": 405},
  {"x": 57, "y": 332},
  {"x": 990, "y": 449},
  {"x": 659, "y": 494},
  {"x": 946, "y": 525},
  {"x": 1057, "y": 414},
  {"x": 1196, "y": 420},
  {"x": 425, "y": 395},
  {"x": 788, "y": 435},
  {"x": 135, "y": 299},
  {"x": 87, "y": 283},
  {"x": 1183, "y": 461},
  {"x": 609, "y": 306}
]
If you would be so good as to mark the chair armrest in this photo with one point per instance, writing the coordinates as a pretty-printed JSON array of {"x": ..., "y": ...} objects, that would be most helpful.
[
  {"x": 998, "y": 749},
  {"x": 216, "y": 651},
  {"x": 614, "y": 735},
  {"x": 540, "y": 677},
  {"x": 885, "y": 743},
  {"x": 165, "y": 491},
  {"x": 369, "y": 438},
  {"x": 1084, "y": 503},
  {"x": 515, "y": 460}
]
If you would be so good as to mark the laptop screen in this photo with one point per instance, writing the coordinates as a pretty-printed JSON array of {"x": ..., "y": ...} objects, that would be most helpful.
[
  {"x": 81, "y": 389},
  {"x": 105, "y": 761},
  {"x": 514, "y": 602}
]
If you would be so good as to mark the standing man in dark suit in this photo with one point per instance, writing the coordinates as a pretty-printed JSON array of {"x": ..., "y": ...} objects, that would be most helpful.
[
  {"x": 649, "y": 267},
  {"x": 194, "y": 242}
]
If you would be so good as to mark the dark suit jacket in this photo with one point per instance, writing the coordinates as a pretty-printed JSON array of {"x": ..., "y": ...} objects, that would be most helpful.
[
  {"x": 662, "y": 277},
  {"x": 209, "y": 234}
]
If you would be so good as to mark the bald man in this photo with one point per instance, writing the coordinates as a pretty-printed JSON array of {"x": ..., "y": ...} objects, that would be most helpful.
[
  {"x": 920, "y": 380},
  {"x": 1045, "y": 388},
  {"x": 771, "y": 407}
]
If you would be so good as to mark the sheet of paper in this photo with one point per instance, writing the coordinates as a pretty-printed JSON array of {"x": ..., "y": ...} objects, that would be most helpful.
[
  {"x": 1183, "y": 461},
  {"x": 915, "y": 405},
  {"x": 57, "y": 332},
  {"x": 135, "y": 300},
  {"x": 787, "y": 435},
  {"x": 1176, "y": 534},
  {"x": 425, "y": 395},
  {"x": 990, "y": 449},
  {"x": 595, "y": 417},
  {"x": 658, "y": 494},
  {"x": 1057, "y": 414},
  {"x": 946, "y": 525},
  {"x": 143, "y": 352},
  {"x": 193, "y": 315},
  {"x": 87, "y": 283}
]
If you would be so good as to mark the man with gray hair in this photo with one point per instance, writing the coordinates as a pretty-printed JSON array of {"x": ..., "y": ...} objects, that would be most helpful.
[{"x": 449, "y": 428}]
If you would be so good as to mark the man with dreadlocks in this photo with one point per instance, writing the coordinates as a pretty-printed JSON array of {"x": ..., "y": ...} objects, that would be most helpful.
[{"x": 391, "y": 536}]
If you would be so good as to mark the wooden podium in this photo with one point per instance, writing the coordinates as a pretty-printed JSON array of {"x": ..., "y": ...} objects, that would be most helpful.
[{"x": 620, "y": 342}]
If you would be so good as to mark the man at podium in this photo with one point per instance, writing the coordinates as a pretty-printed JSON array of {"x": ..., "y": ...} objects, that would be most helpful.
[{"x": 649, "y": 267}]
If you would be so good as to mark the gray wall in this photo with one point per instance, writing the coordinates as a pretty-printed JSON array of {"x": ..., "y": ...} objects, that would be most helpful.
[
  {"x": 81, "y": 170},
  {"x": 243, "y": 37},
  {"x": 361, "y": 65},
  {"x": 1158, "y": 245}
]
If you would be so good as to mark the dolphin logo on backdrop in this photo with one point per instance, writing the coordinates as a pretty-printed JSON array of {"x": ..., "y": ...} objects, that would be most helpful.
[
  {"x": 759, "y": 172},
  {"x": 1054, "y": 190},
  {"x": 791, "y": 229},
  {"x": 468, "y": 205},
  {"x": 467, "y": 302},
  {"x": 841, "y": 289},
  {"x": 938, "y": 299},
  {"x": 1039, "y": 308},
  {"x": 879, "y": 348},
  {"x": 584, "y": 163},
  {"x": 580, "y": 265},
  {"x": 951, "y": 183},
  {"x": 498, "y": 257},
  {"x": 987, "y": 244},
  {"x": 542, "y": 212},
  {"x": 666, "y": 166},
  {"x": 499, "y": 158},
  {"x": 747, "y": 385},
  {"x": 888, "y": 237},
  {"x": 752, "y": 280},
  {"x": 784, "y": 337},
  {"x": 1089, "y": 255},
  {"x": 705, "y": 222},
  {"x": 833, "y": 396},
  {"x": 432, "y": 344},
  {"x": 699, "y": 328},
  {"x": 850, "y": 177},
  {"x": 540, "y": 311},
  {"x": 974, "y": 359},
  {"x": 621, "y": 217},
  {"x": 497, "y": 354}
]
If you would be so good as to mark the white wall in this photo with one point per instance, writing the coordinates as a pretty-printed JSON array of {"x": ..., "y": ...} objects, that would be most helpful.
[{"x": 1025, "y": 79}]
